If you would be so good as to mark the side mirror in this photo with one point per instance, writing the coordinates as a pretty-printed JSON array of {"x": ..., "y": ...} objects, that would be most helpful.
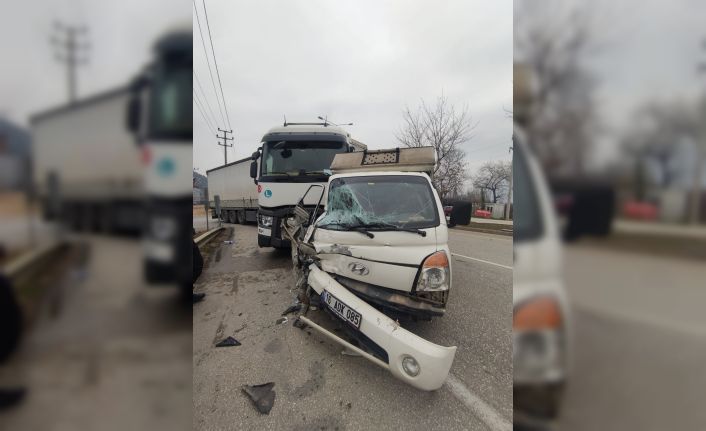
[
  {"x": 255, "y": 155},
  {"x": 132, "y": 116},
  {"x": 253, "y": 169}
]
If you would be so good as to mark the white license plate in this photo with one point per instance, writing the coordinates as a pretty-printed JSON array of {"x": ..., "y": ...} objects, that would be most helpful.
[
  {"x": 263, "y": 231},
  {"x": 342, "y": 310}
]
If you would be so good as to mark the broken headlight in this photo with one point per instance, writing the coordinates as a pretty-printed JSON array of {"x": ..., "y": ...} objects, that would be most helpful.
[
  {"x": 435, "y": 274},
  {"x": 265, "y": 221}
]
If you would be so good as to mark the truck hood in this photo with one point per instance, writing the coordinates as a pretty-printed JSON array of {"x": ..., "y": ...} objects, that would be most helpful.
[{"x": 391, "y": 259}]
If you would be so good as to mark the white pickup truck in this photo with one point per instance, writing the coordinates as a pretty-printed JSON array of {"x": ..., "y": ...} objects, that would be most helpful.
[{"x": 374, "y": 251}]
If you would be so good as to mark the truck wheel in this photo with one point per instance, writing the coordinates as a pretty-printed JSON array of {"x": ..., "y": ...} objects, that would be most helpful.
[
  {"x": 241, "y": 217},
  {"x": 231, "y": 217}
]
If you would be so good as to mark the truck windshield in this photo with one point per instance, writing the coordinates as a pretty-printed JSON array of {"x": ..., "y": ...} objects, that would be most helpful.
[
  {"x": 170, "y": 113},
  {"x": 526, "y": 215},
  {"x": 380, "y": 202},
  {"x": 293, "y": 159}
]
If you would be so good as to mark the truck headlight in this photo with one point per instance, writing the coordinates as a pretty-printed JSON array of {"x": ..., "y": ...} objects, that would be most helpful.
[
  {"x": 538, "y": 344},
  {"x": 163, "y": 228},
  {"x": 435, "y": 274},
  {"x": 265, "y": 221}
]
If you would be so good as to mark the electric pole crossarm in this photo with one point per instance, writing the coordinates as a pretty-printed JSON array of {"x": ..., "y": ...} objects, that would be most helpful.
[{"x": 225, "y": 144}]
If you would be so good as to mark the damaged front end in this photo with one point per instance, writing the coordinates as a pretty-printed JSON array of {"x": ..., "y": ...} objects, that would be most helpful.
[{"x": 372, "y": 333}]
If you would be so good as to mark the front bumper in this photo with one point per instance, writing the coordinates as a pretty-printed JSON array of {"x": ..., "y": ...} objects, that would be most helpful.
[{"x": 434, "y": 360}]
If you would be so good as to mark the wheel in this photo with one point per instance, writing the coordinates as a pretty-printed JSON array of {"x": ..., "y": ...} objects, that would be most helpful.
[
  {"x": 232, "y": 217},
  {"x": 241, "y": 217}
]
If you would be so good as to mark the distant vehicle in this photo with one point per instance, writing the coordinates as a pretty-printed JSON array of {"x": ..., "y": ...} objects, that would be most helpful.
[
  {"x": 290, "y": 159},
  {"x": 541, "y": 319},
  {"x": 87, "y": 169},
  {"x": 374, "y": 249},
  {"x": 447, "y": 214}
]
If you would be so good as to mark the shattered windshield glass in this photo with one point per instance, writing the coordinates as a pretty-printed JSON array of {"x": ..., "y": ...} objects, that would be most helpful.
[{"x": 380, "y": 202}]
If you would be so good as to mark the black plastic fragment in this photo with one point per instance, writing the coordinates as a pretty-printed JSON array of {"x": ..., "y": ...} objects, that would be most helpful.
[
  {"x": 298, "y": 323},
  {"x": 228, "y": 342},
  {"x": 262, "y": 396},
  {"x": 292, "y": 309}
]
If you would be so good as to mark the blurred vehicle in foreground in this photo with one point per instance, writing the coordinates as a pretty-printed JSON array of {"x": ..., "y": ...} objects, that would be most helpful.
[
  {"x": 540, "y": 308},
  {"x": 87, "y": 168},
  {"x": 159, "y": 114}
]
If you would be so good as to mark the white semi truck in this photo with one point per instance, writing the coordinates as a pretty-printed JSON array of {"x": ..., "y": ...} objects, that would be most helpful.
[
  {"x": 290, "y": 158},
  {"x": 86, "y": 166}
]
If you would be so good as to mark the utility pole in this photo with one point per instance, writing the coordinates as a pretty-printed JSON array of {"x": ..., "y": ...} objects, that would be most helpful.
[
  {"x": 225, "y": 145},
  {"x": 695, "y": 207},
  {"x": 70, "y": 49},
  {"x": 508, "y": 207}
]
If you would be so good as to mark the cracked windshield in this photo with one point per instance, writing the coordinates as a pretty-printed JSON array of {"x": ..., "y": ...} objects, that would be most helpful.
[
  {"x": 299, "y": 158},
  {"x": 400, "y": 201}
]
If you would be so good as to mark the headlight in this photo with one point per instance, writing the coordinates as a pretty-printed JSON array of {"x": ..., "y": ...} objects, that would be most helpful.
[
  {"x": 435, "y": 275},
  {"x": 265, "y": 221},
  {"x": 163, "y": 228},
  {"x": 538, "y": 345}
]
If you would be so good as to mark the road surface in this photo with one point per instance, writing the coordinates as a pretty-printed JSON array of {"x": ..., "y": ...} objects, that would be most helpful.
[
  {"x": 639, "y": 351},
  {"x": 105, "y": 351}
]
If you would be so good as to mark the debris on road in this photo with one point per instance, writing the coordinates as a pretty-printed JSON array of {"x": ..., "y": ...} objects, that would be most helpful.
[
  {"x": 282, "y": 320},
  {"x": 292, "y": 308},
  {"x": 262, "y": 395},
  {"x": 228, "y": 342},
  {"x": 229, "y": 242},
  {"x": 299, "y": 324}
]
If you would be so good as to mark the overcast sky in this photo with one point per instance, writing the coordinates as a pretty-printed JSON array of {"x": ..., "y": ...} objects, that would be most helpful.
[
  {"x": 359, "y": 62},
  {"x": 121, "y": 34}
]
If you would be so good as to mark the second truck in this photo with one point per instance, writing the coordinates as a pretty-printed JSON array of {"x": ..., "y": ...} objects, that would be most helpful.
[{"x": 289, "y": 159}]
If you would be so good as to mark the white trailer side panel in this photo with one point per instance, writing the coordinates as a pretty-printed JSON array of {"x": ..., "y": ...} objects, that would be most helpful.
[
  {"x": 234, "y": 185},
  {"x": 90, "y": 149}
]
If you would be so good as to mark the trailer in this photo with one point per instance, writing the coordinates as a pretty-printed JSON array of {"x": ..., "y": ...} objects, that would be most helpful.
[
  {"x": 236, "y": 191},
  {"x": 86, "y": 167}
]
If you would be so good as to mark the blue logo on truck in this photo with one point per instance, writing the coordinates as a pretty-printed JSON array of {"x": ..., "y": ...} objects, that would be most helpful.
[
  {"x": 268, "y": 193},
  {"x": 165, "y": 167}
]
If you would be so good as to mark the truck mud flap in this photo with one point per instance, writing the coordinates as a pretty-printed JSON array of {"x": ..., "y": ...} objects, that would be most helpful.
[{"x": 430, "y": 363}]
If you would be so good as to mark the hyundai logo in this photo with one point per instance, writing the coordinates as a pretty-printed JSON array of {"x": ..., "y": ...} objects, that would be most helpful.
[{"x": 358, "y": 268}]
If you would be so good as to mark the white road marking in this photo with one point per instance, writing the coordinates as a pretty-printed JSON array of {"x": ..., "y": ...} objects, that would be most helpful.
[
  {"x": 491, "y": 418},
  {"x": 481, "y": 260}
]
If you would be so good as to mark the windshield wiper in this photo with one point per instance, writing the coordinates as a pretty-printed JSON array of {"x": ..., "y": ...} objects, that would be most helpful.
[
  {"x": 317, "y": 173},
  {"x": 350, "y": 227},
  {"x": 386, "y": 226},
  {"x": 276, "y": 173},
  {"x": 390, "y": 226}
]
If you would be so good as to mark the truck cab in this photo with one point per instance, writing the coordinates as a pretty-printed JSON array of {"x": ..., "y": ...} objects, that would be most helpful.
[
  {"x": 290, "y": 158},
  {"x": 159, "y": 114},
  {"x": 373, "y": 251}
]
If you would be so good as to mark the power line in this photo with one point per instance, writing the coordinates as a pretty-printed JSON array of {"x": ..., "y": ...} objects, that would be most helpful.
[
  {"x": 198, "y": 105},
  {"x": 208, "y": 63},
  {"x": 203, "y": 96},
  {"x": 218, "y": 74},
  {"x": 69, "y": 49}
]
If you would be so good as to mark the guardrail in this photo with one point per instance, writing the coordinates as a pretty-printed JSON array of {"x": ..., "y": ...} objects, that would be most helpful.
[
  {"x": 27, "y": 262},
  {"x": 206, "y": 236}
]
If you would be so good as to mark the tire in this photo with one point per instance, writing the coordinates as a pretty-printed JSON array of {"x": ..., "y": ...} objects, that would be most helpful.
[
  {"x": 232, "y": 217},
  {"x": 241, "y": 217},
  {"x": 10, "y": 319}
]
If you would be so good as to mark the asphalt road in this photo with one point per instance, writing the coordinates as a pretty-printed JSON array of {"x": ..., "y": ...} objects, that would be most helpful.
[
  {"x": 639, "y": 345},
  {"x": 319, "y": 388},
  {"x": 105, "y": 350}
]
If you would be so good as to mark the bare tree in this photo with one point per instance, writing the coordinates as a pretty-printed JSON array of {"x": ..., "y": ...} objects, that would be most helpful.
[
  {"x": 493, "y": 178},
  {"x": 443, "y": 127},
  {"x": 551, "y": 40}
]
